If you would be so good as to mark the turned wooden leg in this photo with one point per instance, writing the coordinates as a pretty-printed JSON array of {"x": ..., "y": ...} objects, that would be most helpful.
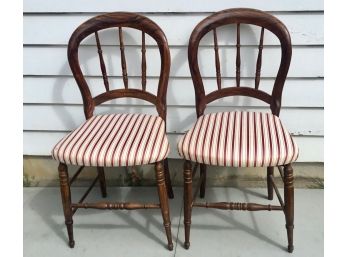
[
  {"x": 289, "y": 204},
  {"x": 162, "y": 193},
  {"x": 270, "y": 172},
  {"x": 167, "y": 179},
  {"x": 102, "y": 182},
  {"x": 66, "y": 200},
  {"x": 187, "y": 201},
  {"x": 203, "y": 172}
]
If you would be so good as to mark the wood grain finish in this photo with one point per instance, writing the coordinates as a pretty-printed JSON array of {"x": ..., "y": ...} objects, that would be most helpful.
[
  {"x": 116, "y": 206},
  {"x": 259, "y": 61},
  {"x": 187, "y": 201},
  {"x": 239, "y": 206},
  {"x": 203, "y": 174},
  {"x": 289, "y": 204},
  {"x": 93, "y": 26},
  {"x": 143, "y": 61},
  {"x": 118, "y": 20},
  {"x": 66, "y": 201},
  {"x": 123, "y": 59},
  {"x": 270, "y": 172},
  {"x": 162, "y": 193},
  {"x": 217, "y": 61},
  {"x": 77, "y": 173},
  {"x": 102, "y": 63},
  {"x": 168, "y": 181},
  {"x": 238, "y": 56},
  {"x": 102, "y": 183},
  {"x": 240, "y": 16},
  {"x": 277, "y": 191}
]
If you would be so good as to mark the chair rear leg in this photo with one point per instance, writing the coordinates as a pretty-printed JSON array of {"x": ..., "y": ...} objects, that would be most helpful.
[
  {"x": 162, "y": 193},
  {"x": 167, "y": 179},
  {"x": 270, "y": 172},
  {"x": 187, "y": 201},
  {"x": 203, "y": 172},
  {"x": 102, "y": 182},
  {"x": 289, "y": 204},
  {"x": 66, "y": 200}
]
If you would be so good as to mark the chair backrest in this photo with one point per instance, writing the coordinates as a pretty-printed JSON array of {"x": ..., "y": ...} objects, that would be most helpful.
[
  {"x": 239, "y": 16},
  {"x": 118, "y": 20}
]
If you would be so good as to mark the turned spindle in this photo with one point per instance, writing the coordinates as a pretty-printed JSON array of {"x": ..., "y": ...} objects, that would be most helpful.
[
  {"x": 102, "y": 64},
  {"x": 143, "y": 62},
  {"x": 259, "y": 61},
  {"x": 123, "y": 59},
  {"x": 217, "y": 60}
]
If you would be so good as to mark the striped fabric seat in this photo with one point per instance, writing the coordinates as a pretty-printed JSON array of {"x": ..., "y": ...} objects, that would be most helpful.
[
  {"x": 238, "y": 139},
  {"x": 115, "y": 140}
]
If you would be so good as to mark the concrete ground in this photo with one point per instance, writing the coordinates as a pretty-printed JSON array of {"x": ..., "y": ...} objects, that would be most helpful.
[{"x": 140, "y": 232}]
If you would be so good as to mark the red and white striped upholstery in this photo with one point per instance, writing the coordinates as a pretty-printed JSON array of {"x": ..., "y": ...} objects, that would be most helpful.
[
  {"x": 238, "y": 139},
  {"x": 115, "y": 140}
]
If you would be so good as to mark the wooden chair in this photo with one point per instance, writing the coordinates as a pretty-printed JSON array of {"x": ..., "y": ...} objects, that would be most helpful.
[
  {"x": 114, "y": 140},
  {"x": 239, "y": 139}
]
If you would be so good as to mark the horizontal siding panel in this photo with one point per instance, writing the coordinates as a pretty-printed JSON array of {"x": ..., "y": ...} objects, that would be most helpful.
[
  {"x": 52, "y": 101},
  {"x": 167, "y": 6},
  {"x": 305, "y": 29},
  {"x": 64, "y": 90},
  {"x": 180, "y": 119},
  {"x": 41, "y": 143},
  {"x": 306, "y": 61}
]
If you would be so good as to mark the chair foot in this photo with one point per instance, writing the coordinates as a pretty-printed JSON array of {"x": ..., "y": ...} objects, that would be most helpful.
[
  {"x": 71, "y": 244},
  {"x": 290, "y": 248},
  {"x": 187, "y": 245},
  {"x": 170, "y": 247}
]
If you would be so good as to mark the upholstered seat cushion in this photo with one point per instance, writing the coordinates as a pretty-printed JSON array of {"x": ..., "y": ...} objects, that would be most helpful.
[
  {"x": 238, "y": 139},
  {"x": 115, "y": 140}
]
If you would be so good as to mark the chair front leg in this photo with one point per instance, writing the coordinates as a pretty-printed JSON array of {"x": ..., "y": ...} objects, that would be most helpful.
[
  {"x": 187, "y": 201},
  {"x": 167, "y": 179},
  {"x": 162, "y": 193},
  {"x": 270, "y": 172},
  {"x": 289, "y": 204},
  {"x": 102, "y": 183},
  {"x": 66, "y": 200}
]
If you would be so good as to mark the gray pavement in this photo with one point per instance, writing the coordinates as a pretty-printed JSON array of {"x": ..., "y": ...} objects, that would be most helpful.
[{"x": 140, "y": 232}]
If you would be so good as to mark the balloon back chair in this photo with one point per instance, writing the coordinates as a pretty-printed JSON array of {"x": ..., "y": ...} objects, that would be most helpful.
[
  {"x": 239, "y": 138},
  {"x": 113, "y": 140}
]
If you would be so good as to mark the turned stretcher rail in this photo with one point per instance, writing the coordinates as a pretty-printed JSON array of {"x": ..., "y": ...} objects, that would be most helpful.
[
  {"x": 238, "y": 206},
  {"x": 116, "y": 206}
]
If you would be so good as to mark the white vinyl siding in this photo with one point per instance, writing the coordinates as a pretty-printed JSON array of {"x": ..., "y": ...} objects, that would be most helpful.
[{"x": 53, "y": 104}]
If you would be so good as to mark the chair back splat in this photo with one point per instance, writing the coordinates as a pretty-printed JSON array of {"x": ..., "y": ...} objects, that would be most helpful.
[
  {"x": 119, "y": 20},
  {"x": 239, "y": 16}
]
